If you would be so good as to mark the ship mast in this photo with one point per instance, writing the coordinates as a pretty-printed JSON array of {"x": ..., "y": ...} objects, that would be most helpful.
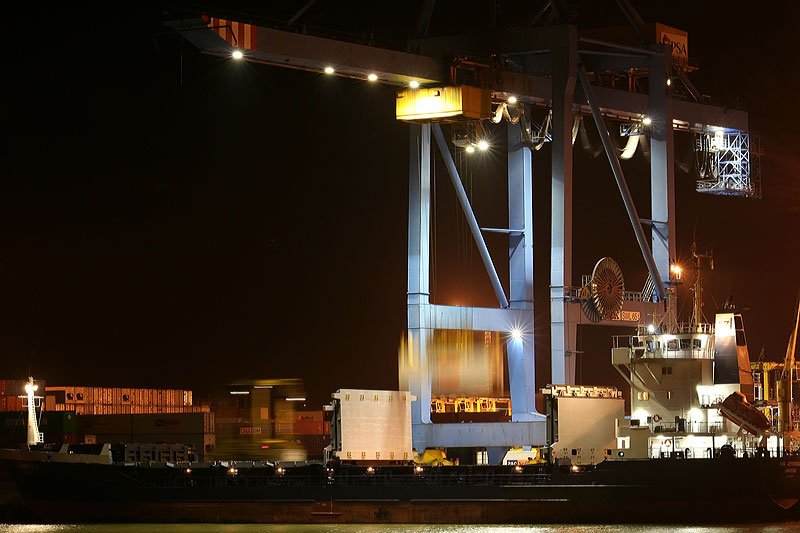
[
  {"x": 697, "y": 287},
  {"x": 34, "y": 435}
]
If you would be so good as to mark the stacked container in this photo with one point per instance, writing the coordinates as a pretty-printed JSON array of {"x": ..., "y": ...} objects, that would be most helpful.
[{"x": 119, "y": 401}]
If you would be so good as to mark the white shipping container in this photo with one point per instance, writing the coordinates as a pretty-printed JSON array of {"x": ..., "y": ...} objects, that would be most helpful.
[{"x": 374, "y": 425}]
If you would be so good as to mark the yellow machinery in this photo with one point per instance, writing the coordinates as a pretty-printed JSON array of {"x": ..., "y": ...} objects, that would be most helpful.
[
  {"x": 459, "y": 102},
  {"x": 522, "y": 456},
  {"x": 434, "y": 457}
]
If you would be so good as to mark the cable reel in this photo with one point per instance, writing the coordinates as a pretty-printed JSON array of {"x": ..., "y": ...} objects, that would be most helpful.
[{"x": 603, "y": 296}]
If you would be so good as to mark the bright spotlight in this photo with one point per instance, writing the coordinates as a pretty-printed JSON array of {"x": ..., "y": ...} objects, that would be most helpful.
[
  {"x": 372, "y": 77},
  {"x": 647, "y": 121},
  {"x": 237, "y": 54},
  {"x": 329, "y": 70},
  {"x": 470, "y": 149},
  {"x": 483, "y": 145},
  {"x": 512, "y": 100},
  {"x": 669, "y": 82},
  {"x": 414, "y": 84},
  {"x": 516, "y": 334},
  {"x": 651, "y": 328},
  {"x": 676, "y": 270}
]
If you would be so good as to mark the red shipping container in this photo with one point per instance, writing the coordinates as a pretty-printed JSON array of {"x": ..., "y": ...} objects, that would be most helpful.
[
  {"x": 317, "y": 416},
  {"x": 308, "y": 427}
]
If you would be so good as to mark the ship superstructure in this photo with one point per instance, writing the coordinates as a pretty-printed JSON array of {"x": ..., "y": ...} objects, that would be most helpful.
[
  {"x": 679, "y": 377},
  {"x": 692, "y": 388}
]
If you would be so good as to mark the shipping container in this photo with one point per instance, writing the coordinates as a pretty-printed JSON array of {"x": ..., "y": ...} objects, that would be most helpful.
[
  {"x": 314, "y": 444},
  {"x": 308, "y": 427},
  {"x": 58, "y": 427},
  {"x": 317, "y": 416},
  {"x": 162, "y": 424}
]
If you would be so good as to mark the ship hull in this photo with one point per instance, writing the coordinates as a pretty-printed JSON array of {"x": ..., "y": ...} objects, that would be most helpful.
[{"x": 655, "y": 491}]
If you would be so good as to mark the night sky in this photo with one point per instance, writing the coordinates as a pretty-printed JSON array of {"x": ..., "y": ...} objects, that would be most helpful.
[{"x": 178, "y": 220}]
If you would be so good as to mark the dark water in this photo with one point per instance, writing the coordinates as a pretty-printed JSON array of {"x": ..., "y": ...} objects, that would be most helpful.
[{"x": 257, "y": 528}]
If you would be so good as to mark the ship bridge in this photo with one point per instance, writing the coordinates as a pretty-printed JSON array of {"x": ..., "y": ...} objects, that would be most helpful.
[{"x": 684, "y": 341}]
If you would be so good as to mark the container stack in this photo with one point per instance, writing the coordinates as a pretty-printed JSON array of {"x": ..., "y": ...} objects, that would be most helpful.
[
  {"x": 195, "y": 430},
  {"x": 120, "y": 401}
]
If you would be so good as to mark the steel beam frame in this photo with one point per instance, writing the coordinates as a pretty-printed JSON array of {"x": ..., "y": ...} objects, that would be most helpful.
[
  {"x": 622, "y": 185},
  {"x": 466, "y": 207},
  {"x": 563, "y": 323},
  {"x": 662, "y": 167},
  {"x": 526, "y": 426},
  {"x": 312, "y": 53}
]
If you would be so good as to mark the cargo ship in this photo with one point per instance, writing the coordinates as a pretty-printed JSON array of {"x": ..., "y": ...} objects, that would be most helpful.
[{"x": 698, "y": 447}]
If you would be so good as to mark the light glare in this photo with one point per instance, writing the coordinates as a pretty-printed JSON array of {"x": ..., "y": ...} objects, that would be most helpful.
[
  {"x": 372, "y": 77},
  {"x": 651, "y": 328},
  {"x": 516, "y": 334},
  {"x": 329, "y": 70},
  {"x": 237, "y": 54},
  {"x": 414, "y": 84},
  {"x": 647, "y": 121},
  {"x": 470, "y": 149},
  {"x": 512, "y": 100},
  {"x": 483, "y": 145}
]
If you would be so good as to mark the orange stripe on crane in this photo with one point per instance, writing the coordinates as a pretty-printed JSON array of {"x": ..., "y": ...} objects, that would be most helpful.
[{"x": 236, "y": 34}]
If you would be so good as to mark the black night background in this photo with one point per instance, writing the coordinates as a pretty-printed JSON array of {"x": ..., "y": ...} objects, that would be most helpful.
[{"x": 177, "y": 220}]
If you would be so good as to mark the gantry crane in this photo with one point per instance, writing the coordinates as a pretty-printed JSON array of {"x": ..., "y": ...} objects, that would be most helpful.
[{"x": 577, "y": 76}]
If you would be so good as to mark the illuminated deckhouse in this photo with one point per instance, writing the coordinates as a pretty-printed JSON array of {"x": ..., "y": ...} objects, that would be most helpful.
[{"x": 680, "y": 376}]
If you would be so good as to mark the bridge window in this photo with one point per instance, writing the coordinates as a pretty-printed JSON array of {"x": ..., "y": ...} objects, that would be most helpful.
[{"x": 672, "y": 344}]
